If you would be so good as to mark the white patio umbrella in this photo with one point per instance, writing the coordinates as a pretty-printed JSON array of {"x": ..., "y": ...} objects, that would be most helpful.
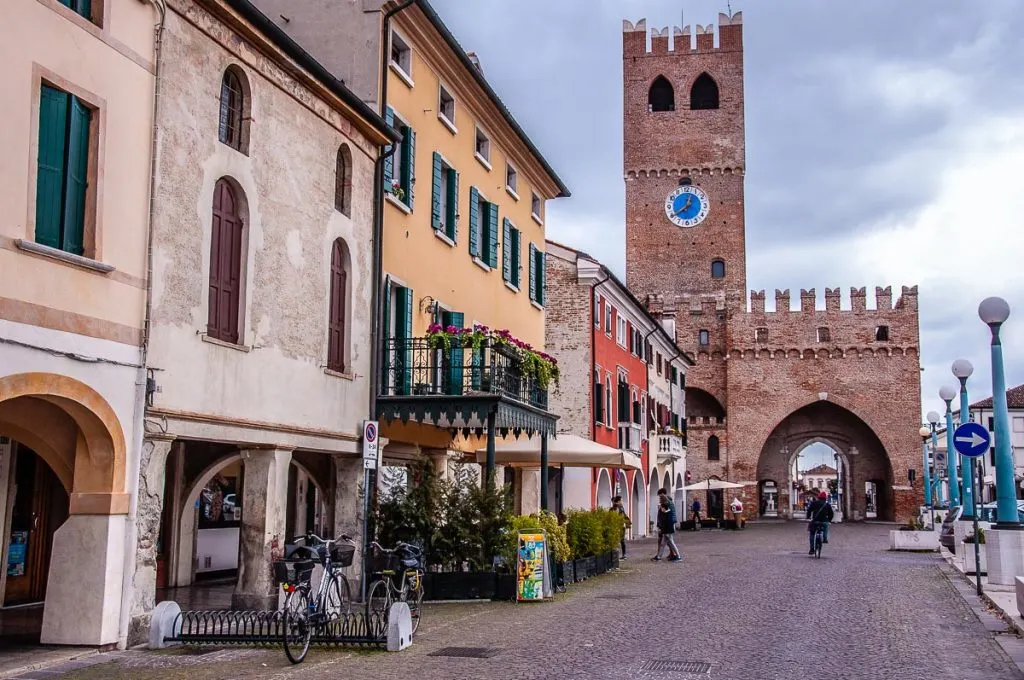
[
  {"x": 712, "y": 485},
  {"x": 567, "y": 449}
]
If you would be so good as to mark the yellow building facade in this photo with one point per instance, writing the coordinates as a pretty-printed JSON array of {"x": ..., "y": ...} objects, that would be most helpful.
[{"x": 464, "y": 212}]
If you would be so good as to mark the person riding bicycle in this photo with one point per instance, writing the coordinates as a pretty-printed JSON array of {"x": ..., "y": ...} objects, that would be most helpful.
[{"x": 820, "y": 513}]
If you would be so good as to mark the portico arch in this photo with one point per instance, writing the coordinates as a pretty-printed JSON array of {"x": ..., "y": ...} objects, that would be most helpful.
[{"x": 604, "y": 489}]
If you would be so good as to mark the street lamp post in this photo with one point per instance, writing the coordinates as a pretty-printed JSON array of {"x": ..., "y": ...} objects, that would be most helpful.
[
  {"x": 962, "y": 370},
  {"x": 933, "y": 420},
  {"x": 925, "y": 471},
  {"x": 947, "y": 393},
  {"x": 994, "y": 311}
]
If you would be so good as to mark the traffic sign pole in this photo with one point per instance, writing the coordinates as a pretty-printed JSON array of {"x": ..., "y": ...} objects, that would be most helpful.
[{"x": 972, "y": 440}]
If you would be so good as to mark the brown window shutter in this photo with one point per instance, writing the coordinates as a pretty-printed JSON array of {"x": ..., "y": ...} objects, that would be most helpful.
[
  {"x": 336, "y": 320},
  {"x": 225, "y": 265}
]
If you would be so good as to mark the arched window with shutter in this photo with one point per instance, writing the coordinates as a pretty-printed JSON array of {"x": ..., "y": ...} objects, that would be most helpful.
[
  {"x": 338, "y": 308},
  {"x": 343, "y": 182},
  {"x": 226, "y": 238},
  {"x": 233, "y": 127}
]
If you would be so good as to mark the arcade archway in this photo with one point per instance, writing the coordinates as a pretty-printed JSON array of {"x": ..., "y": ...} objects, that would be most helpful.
[{"x": 861, "y": 458}]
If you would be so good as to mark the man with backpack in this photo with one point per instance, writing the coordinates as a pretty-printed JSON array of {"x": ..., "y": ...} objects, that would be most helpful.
[{"x": 820, "y": 513}]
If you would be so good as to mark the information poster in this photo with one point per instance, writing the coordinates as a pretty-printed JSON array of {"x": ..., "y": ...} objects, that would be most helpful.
[
  {"x": 16, "y": 553},
  {"x": 531, "y": 572}
]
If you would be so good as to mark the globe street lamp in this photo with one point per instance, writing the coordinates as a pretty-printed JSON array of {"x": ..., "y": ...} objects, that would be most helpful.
[
  {"x": 994, "y": 311},
  {"x": 933, "y": 420},
  {"x": 962, "y": 370},
  {"x": 924, "y": 432},
  {"x": 947, "y": 393}
]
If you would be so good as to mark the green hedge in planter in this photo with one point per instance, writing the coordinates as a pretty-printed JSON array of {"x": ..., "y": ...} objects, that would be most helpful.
[
  {"x": 592, "y": 532},
  {"x": 556, "y": 535}
]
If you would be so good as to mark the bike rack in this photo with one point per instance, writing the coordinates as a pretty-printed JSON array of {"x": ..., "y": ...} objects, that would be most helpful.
[{"x": 265, "y": 628}]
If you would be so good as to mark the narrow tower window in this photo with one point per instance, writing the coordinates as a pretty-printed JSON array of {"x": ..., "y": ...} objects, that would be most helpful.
[
  {"x": 704, "y": 94},
  {"x": 718, "y": 269},
  {"x": 661, "y": 96}
]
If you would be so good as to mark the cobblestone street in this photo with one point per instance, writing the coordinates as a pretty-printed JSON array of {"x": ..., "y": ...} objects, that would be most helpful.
[{"x": 751, "y": 604}]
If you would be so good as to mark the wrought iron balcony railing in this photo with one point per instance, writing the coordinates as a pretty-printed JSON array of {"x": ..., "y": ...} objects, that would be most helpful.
[{"x": 413, "y": 367}]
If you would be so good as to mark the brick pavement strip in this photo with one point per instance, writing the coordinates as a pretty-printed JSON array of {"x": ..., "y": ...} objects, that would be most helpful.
[{"x": 751, "y": 604}]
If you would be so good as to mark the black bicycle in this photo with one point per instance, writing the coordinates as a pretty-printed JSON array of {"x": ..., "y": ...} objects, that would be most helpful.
[
  {"x": 306, "y": 609},
  {"x": 819, "y": 538}
]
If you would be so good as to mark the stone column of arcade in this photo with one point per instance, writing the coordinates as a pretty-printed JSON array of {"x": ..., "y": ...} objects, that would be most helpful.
[
  {"x": 349, "y": 476},
  {"x": 262, "y": 536}
]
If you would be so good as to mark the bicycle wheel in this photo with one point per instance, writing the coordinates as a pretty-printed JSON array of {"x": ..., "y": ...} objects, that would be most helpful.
[
  {"x": 378, "y": 599},
  {"x": 414, "y": 598},
  {"x": 339, "y": 598},
  {"x": 817, "y": 545},
  {"x": 296, "y": 628}
]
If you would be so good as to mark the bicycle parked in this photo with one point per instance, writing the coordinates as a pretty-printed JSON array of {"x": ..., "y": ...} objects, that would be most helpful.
[
  {"x": 404, "y": 564},
  {"x": 306, "y": 609}
]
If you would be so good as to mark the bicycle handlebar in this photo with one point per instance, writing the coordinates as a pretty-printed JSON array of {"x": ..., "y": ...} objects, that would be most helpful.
[
  {"x": 398, "y": 546},
  {"x": 323, "y": 541}
]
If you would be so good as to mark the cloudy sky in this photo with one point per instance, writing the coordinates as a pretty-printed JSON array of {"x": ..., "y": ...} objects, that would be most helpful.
[{"x": 885, "y": 145}]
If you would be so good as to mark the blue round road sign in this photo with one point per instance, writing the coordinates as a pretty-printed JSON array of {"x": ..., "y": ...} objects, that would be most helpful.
[{"x": 971, "y": 440}]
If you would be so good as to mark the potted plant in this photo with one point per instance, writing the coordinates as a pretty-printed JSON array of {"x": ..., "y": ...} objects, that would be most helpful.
[
  {"x": 970, "y": 565},
  {"x": 913, "y": 537}
]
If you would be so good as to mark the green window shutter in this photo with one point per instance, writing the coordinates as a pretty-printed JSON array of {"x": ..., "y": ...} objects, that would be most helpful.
[
  {"x": 533, "y": 276},
  {"x": 492, "y": 235},
  {"x": 409, "y": 165},
  {"x": 453, "y": 205},
  {"x": 506, "y": 250},
  {"x": 403, "y": 348},
  {"x": 517, "y": 245},
  {"x": 456, "y": 357},
  {"x": 474, "y": 222},
  {"x": 542, "y": 281},
  {"x": 389, "y": 162},
  {"x": 386, "y": 336},
  {"x": 53, "y": 124},
  {"x": 435, "y": 198},
  {"x": 83, "y": 7},
  {"x": 77, "y": 178}
]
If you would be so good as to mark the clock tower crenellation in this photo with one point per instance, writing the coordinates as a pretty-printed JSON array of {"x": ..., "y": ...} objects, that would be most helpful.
[{"x": 684, "y": 159}]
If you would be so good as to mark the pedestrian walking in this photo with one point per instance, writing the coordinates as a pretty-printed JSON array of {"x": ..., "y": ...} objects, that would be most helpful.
[
  {"x": 626, "y": 522},
  {"x": 666, "y": 527},
  {"x": 695, "y": 511}
]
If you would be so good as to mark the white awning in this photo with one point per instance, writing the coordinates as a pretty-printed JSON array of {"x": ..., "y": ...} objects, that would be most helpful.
[
  {"x": 712, "y": 485},
  {"x": 567, "y": 449}
]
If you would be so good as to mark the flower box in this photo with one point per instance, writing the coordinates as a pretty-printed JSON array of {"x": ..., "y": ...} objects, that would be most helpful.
[
  {"x": 920, "y": 541},
  {"x": 460, "y": 585}
]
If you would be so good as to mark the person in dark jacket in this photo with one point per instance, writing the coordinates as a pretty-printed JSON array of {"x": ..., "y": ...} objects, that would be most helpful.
[
  {"x": 666, "y": 527},
  {"x": 820, "y": 513},
  {"x": 626, "y": 522},
  {"x": 695, "y": 511}
]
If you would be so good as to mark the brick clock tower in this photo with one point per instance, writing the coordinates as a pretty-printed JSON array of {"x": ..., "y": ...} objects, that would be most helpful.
[{"x": 765, "y": 384}]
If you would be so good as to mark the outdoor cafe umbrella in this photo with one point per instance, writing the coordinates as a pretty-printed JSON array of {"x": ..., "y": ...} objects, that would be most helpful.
[
  {"x": 566, "y": 449},
  {"x": 712, "y": 485}
]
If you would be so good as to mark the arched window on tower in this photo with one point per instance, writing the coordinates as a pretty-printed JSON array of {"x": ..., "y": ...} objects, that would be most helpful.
[
  {"x": 704, "y": 94},
  {"x": 713, "y": 452},
  {"x": 718, "y": 269},
  {"x": 661, "y": 96}
]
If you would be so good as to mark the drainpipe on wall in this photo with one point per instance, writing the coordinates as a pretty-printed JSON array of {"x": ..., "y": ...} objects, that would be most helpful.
[
  {"x": 593, "y": 360},
  {"x": 142, "y": 381},
  {"x": 378, "y": 272}
]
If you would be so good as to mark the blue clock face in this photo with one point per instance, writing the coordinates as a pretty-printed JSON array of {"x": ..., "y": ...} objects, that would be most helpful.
[{"x": 687, "y": 206}]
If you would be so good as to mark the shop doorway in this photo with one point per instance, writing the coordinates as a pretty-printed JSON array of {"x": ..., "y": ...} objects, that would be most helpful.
[{"x": 40, "y": 506}]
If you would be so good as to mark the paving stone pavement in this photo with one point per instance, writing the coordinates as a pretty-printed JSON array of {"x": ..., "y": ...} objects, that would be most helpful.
[{"x": 751, "y": 604}]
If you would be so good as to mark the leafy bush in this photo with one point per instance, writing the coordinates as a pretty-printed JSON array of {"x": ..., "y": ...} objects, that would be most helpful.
[
  {"x": 592, "y": 532},
  {"x": 556, "y": 536},
  {"x": 969, "y": 538}
]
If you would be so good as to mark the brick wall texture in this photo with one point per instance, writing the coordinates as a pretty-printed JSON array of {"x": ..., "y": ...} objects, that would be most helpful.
[{"x": 766, "y": 384}]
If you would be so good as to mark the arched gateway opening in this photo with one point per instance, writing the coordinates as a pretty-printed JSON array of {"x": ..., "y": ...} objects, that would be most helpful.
[{"x": 859, "y": 457}]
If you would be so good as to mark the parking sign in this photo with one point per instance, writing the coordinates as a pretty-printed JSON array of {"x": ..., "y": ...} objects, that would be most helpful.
[{"x": 371, "y": 445}]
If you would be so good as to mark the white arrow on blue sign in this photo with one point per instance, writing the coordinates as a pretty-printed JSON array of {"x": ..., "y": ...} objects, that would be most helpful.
[{"x": 971, "y": 440}]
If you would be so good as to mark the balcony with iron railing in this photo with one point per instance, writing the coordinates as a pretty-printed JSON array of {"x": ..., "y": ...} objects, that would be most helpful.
[
  {"x": 416, "y": 367},
  {"x": 629, "y": 437}
]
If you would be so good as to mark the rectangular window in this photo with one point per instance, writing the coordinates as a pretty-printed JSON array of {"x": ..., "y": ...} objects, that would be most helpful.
[
  {"x": 991, "y": 424},
  {"x": 620, "y": 331},
  {"x": 659, "y": 363},
  {"x": 882, "y": 334},
  {"x": 510, "y": 254},
  {"x": 62, "y": 175},
  {"x": 401, "y": 55},
  {"x": 81, "y": 7},
  {"x": 597, "y": 310},
  {"x": 538, "y": 275},
  {"x": 607, "y": 318},
  {"x": 703, "y": 338},
  {"x": 444, "y": 212},
  {"x": 535, "y": 208},
  {"x": 483, "y": 147},
  {"x": 761, "y": 335},
  {"x": 824, "y": 335},
  {"x": 1018, "y": 424},
  {"x": 512, "y": 179},
  {"x": 446, "y": 106},
  {"x": 598, "y": 398},
  {"x": 400, "y": 167},
  {"x": 483, "y": 229}
]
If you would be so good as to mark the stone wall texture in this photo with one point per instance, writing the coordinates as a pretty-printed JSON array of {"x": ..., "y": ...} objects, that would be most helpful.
[{"x": 765, "y": 383}]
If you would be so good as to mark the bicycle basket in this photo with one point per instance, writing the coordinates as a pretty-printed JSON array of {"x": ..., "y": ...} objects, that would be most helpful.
[
  {"x": 293, "y": 571},
  {"x": 381, "y": 561},
  {"x": 341, "y": 555}
]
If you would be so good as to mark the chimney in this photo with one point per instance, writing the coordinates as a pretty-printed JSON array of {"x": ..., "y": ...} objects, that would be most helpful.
[{"x": 476, "y": 61}]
